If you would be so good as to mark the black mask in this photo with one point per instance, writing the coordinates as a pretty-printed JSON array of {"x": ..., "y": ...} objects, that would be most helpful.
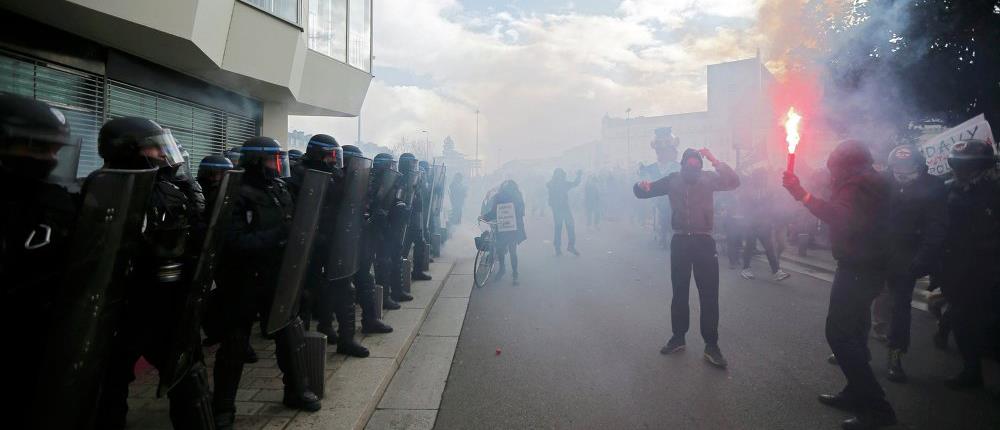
[{"x": 28, "y": 167}]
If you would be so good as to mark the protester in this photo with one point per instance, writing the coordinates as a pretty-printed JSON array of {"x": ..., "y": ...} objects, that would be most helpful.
[
  {"x": 561, "y": 214},
  {"x": 510, "y": 232},
  {"x": 758, "y": 209},
  {"x": 857, "y": 213},
  {"x": 692, "y": 248}
]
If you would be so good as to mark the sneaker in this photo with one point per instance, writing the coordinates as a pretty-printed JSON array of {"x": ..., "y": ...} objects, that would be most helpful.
[
  {"x": 573, "y": 251},
  {"x": 714, "y": 356},
  {"x": 746, "y": 274},
  {"x": 675, "y": 344},
  {"x": 781, "y": 275}
]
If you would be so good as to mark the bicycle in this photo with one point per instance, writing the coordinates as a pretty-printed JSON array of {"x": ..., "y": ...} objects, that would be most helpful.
[{"x": 486, "y": 255}]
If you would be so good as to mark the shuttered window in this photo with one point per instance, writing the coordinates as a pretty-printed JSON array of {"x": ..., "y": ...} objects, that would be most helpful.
[
  {"x": 88, "y": 100},
  {"x": 79, "y": 95},
  {"x": 201, "y": 130}
]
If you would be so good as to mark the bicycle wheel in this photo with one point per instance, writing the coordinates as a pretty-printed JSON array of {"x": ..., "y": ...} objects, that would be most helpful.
[{"x": 483, "y": 268}]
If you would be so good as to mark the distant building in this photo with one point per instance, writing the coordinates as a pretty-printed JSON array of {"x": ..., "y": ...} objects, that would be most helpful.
[
  {"x": 297, "y": 140},
  {"x": 736, "y": 126}
]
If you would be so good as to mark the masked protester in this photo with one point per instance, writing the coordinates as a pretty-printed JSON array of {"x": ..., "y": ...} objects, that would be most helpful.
[
  {"x": 36, "y": 224},
  {"x": 248, "y": 280},
  {"x": 561, "y": 214},
  {"x": 916, "y": 235},
  {"x": 160, "y": 282},
  {"x": 972, "y": 248},
  {"x": 692, "y": 249},
  {"x": 757, "y": 207},
  {"x": 508, "y": 239},
  {"x": 858, "y": 215}
]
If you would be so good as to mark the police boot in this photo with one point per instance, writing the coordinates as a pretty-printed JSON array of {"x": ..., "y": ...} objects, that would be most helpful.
[
  {"x": 346, "y": 344},
  {"x": 896, "y": 373},
  {"x": 292, "y": 362},
  {"x": 191, "y": 402},
  {"x": 227, "y": 373},
  {"x": 420, "y": 276},
  {"x": 370, "y": 324},
  {"x": 331, "y": 334}
]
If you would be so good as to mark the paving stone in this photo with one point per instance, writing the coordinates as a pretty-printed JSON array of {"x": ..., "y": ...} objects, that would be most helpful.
[
  {"x": 401, "y": 419},
  {"x": 269, "y": 395},
  {"x": 420, "y": 380},
  {"x": 446, "y": 317},
  {"x": 457, "y": 286}
]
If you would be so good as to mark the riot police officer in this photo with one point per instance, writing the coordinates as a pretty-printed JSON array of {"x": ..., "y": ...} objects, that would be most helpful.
[
  {"x": 294, "y": 156},
  {"x": 160, "y": 280},
  {"x": 972, "y": 247},
  {"x": 416, "y": 235},
  {"x": 36, "y": 224},
  {"x": 249, "y": 277},
  {"x": 328, "y": 297},
  {"x": 916, "y": 233},
  {"x": 391, "y": 219},
  {"x": 364, "y": 283},
  {"x": 210, "y": 172}
]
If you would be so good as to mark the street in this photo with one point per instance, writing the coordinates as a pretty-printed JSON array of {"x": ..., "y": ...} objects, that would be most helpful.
[{"x": 575, "y": 345}]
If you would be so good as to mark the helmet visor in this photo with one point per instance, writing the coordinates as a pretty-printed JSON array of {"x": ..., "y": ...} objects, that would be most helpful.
[
  {"x": 162, "y": 149},
  {"x": 282, "y": 165}
]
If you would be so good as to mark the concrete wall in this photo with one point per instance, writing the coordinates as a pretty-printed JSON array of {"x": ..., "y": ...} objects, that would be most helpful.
[{"x": 224, "y": 42}]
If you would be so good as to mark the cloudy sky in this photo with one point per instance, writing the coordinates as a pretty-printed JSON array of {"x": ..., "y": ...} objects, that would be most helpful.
[{"x": 542, "y": 72}]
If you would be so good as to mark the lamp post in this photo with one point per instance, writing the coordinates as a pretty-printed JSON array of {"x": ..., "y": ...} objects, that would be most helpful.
[
  {"x": 477, "y": 142},
  {"x": 427, "y": 144}
]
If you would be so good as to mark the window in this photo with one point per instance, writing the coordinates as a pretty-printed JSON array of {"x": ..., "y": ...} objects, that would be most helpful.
[
  {"x": 78, "y": 95},
  {"x": 360, "y": 27},
  {"x": 327, "y": 30},
  {"x": 201, "y": 130},
  {"x": 287, "y": 10}
]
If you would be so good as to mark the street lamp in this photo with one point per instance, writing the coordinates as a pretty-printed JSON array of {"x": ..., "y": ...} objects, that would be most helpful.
[
  {"x": 628, "y": 138},
  {"x": 477, "y": 142},
  {"x": 427, "y": 144}
]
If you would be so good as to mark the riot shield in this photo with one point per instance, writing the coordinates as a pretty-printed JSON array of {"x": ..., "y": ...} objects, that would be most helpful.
[
  {"x": 292, "y": 273},
  {"x": 350, "y": 222},
  {"x": 425, "y": 196},
  {"x": 407, "y": 190},
  {"x": 437, "y": 190},
  {"x": 387, "y": 183},
  {"x": 91, "y": 297},
  {"x": 186, "y": 337}
]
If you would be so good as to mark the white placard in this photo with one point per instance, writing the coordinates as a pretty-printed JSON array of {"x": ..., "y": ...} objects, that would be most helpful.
[
  {"x": 937, "y": 148},
  {"x": 506, "y": 218}
]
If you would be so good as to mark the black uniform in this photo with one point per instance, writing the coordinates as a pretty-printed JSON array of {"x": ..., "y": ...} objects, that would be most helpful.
[
  {"x": 247, "y": 281},
  {"x": 160, "y": 286},
  {"x": 971, "y": 275},
  {"x": 36, "y": 226}
]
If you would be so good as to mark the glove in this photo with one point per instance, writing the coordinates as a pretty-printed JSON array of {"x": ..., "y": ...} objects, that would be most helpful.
[{"x": 791, "y": 183}]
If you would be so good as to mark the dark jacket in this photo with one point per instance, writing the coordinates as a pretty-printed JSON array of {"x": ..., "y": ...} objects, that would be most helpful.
[
  {"x": 857, "y": 213},
  {"x": 692, "y": 203},
  {"x": 502, "y": 197},
  {"x": 917, "y": 221},
  {"x": 559, "y": 193},
  {"x": 972, "y": 242}
]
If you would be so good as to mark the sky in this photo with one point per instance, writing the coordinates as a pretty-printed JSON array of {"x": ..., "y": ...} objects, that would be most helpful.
[{"x": 542, "y": 73}]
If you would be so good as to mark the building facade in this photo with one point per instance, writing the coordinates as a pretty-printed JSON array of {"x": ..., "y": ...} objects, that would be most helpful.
[
  {"x": 739, "y": 124},
  {"x": 214, "y": 72}
]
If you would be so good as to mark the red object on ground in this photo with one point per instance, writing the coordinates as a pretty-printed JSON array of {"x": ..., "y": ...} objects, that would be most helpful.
[{"x": 498, "y": 351}]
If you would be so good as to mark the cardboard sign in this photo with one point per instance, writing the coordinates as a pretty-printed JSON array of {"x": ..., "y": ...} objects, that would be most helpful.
[
  {"x": 937, "y": 149},
  {"x": 506, "y": 218}
]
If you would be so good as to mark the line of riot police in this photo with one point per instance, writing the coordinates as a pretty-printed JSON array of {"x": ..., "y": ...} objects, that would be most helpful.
[{"x": 145, "y": 259}]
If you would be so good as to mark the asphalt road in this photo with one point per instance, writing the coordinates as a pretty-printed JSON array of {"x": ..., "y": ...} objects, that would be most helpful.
[{"x": 579, "y": 342}]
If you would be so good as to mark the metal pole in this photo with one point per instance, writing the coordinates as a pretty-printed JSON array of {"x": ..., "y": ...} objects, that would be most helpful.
[
  {"x": 477, "y": 142},
  {"x": 359, "y": 128}
]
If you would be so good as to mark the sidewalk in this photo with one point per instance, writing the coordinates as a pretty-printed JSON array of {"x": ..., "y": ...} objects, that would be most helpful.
[
  {"x": 354, "y": 386},
  {"x": 819, "y": 263}
]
